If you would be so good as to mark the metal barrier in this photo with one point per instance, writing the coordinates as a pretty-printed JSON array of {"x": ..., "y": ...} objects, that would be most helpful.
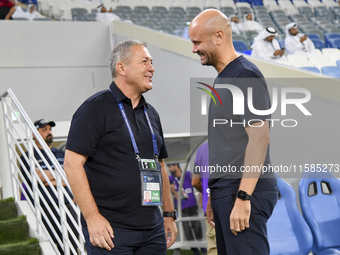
[{"x": 19, "y": 131}]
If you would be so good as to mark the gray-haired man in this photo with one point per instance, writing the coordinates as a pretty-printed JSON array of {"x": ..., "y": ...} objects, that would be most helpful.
[{"x": 114, "y": 155}]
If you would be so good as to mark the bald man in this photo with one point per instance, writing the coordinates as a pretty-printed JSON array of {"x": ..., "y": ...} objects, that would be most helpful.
[{"x": 241, "y": 201}]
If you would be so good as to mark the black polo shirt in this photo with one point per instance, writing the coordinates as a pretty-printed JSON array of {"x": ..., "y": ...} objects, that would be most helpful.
[
  {"x": 228, "y": 142},
  {"x": 98, "y": 131}
]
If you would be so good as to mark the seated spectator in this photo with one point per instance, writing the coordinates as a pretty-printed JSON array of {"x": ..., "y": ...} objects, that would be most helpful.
[
  {"x": 18, "y": 9},
  {"x": 265, "y": 46},
  {"x": 297, "y": 43},
  {"x": 31, "y": 13},
  {"x": 249, "y": 24},
  {"x": 7, "y": 8},
  {"x": 105, "y": 16},
  {"x": 236, "y": 25}
]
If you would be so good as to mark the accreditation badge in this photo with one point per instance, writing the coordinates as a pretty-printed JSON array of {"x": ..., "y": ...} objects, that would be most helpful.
[{"x": 151, "y": 180}]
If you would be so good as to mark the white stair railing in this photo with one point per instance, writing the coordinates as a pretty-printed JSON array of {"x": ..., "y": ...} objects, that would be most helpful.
[{"x": 18, "y": 131}]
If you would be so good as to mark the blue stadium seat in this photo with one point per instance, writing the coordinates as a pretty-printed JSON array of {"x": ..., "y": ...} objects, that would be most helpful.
[
  {"x": 281, "y": 43},
  {"x": 248, "y": 52},
  {"x": 256, "y": 3},
  {"x": 320, "y": 205},
  {"x": 288, "y": 233},
  {"x": 329, "y": 36},
  {"x": 314, "y": 36},
  {"x": 331, "y": 71},
  {"x": 318, "y": 43},
  {"x": 240, "y": 46},
  {"x": 311, "y": 68},
  {"x": 334, "y": 43}
]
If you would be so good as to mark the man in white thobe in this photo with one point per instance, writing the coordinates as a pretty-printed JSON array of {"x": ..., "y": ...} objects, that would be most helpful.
[
  {"x": 250, "y": 24},
  {"x": 265, "y": 46},
  {"x": 236, "y": 25},
  {"x": 297, "y": 43}
]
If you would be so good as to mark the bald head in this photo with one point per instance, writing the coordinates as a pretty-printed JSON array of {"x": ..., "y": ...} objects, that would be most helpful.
[
  {"x": 211, "y": 36},
  {"x": 210, "y": 21}
]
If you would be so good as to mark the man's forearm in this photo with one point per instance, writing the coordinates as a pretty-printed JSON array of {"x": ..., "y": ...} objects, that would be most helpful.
[
  {"x": 167, "y": 201},
  {"x": 254, "y": 158},
  {"x": 10, "y": 13},
  {"x": 79, "y": 184}
]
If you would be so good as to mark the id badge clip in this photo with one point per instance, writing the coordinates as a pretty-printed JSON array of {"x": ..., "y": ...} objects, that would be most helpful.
[{"x": 151, "y": 179}]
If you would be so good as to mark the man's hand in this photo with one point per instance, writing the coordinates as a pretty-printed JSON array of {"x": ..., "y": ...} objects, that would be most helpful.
[
  {"x": 303, "y": 38},
  {"x": 239, "y": 217},
  {"x": 100, "y": 231},
  {"x": 210, "y": 214},
  {"x": 279, "y": 52},
  {"x": 171, "y": 229}
]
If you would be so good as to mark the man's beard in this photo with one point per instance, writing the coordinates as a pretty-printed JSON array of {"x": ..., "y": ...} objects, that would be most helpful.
[{"x": 49, "y": 139}]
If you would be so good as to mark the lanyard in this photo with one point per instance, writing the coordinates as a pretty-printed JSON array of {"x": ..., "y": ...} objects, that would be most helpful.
[{"x": 132, "y": 137}]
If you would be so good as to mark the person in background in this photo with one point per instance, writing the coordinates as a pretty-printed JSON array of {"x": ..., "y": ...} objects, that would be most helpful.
[
  {"x": 265, "y": 46},
  {"x": 7, "y": 8},
  {"x": 103, "y": 15},
  {"x": 297, "y": 43},
  {"x": 44, "y": 128},
  {"x": 189, "y": 204},
  {"x": 249, "y": 24},
  {"x": 200, "y": 182},
  {"x": 236, "y": 25},
  {"x": 30, "y": 14}
]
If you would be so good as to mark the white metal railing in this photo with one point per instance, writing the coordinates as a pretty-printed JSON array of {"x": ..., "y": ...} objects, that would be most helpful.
[{"x": 19, "y": 131}]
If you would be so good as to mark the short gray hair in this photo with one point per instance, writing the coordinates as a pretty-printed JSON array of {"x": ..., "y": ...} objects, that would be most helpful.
[{"x": 122, "y": 53}]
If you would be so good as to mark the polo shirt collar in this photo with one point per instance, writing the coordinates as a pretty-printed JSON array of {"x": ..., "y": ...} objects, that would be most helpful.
[{"x": 120, "y": 97}]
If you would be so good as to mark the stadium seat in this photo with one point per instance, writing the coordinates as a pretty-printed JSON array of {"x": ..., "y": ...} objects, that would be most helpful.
[
  {"x": 288, "y": 233},
  {"x": 322, "y": 63},
  {"x": 79, "y": 17},
  {"x": 310, "y": 68},
  {"x": 212, "y": 4},
  {"x": 329, "y": 36},
  {"x": 334, "y": 43},
  {"x": 331, "y": 70},
  {"x": 240, "y": 46},
  {"x": 247, "y": 52},
  {"x": 332, "y": 30},
  {"x": 91, "y": 17},
  {"x": 296, "y": 57},
  {"x": 302, "y": 63},
  {"x": 318, "y": 43},
  {"x": 271, "y": 5},
  {"x": 281, "y": 43},
  {"x": 306, "y": 11},
  {"x": 330, "y": 51},
  {"x": 78, "y": 12},
  {"x": 314, "y": 36},
  {"x": 318, "y": 32},
  {"x": 320, "y": 205}
]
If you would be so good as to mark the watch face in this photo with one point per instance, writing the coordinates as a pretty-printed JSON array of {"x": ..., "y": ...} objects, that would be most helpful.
[
  {"x": 243, "y": 195},
  {"x": 175, "y": 215}
]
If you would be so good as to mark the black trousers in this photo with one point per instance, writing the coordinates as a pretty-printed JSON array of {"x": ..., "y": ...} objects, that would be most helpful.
[
  {"x": 131, "y": 242},
  {"x": 252, "y": 240}
]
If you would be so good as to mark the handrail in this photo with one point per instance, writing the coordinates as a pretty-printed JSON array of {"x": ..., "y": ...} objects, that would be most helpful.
[{"x": 19, "y": 131}]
